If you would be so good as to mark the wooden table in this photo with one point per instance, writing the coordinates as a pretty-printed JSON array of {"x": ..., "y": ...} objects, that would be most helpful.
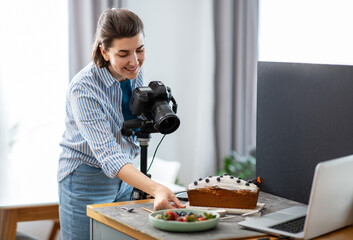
[
  {"x": 31, "y": 196},
  {"x": 11, "y": 215},
  {"x": 109, "y": 222}
]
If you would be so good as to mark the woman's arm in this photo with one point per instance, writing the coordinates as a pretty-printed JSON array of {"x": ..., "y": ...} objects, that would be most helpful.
[{"x": 163, "y": 196}]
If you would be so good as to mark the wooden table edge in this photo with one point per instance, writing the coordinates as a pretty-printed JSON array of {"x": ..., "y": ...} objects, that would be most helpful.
[{"x": 117, "y": 225}]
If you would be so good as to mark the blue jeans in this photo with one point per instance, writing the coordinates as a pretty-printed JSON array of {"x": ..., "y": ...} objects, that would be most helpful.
[{"x": 86, "y": 185}]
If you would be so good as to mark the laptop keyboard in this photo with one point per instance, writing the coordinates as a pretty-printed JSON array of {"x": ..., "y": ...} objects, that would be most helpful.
[{"x": 292, "y": 226}]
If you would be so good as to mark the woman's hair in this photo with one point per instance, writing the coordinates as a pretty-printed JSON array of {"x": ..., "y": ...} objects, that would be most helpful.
[{"x": 114, "y": 23}]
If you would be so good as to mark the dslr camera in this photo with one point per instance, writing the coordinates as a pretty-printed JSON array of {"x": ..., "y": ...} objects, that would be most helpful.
[{"x": 152, "y": 103}]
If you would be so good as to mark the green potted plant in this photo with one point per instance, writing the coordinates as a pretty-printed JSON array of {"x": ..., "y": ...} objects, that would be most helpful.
[{"x": 239, "y": 165}]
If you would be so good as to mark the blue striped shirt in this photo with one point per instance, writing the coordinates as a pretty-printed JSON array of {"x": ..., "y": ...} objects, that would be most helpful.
[{"x": 93, "y": 121}]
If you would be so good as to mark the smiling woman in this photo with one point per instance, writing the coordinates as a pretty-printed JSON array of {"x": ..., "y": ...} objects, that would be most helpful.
[
  {"x": 125, "y": 58},
  {"x": 33, "y": 80}
]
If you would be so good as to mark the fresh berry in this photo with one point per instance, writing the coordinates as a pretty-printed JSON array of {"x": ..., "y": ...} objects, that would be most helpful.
[
  {"x": 195, "y": 183},
  {"x": 182, "y": 216},
  {"x": 207, "y": 180},
  {"x": 200, "y": 219},
  {"x": 218, "y": 179},
  {"x": 169, "y": 215},
  {"x": 182, "y": 213}
]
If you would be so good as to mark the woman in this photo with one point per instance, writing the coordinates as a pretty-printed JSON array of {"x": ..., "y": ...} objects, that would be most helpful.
[{"x": 95, "y": 163}]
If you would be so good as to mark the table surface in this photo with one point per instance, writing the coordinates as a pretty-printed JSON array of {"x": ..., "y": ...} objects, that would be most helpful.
[{"x": 134, "y": 224}]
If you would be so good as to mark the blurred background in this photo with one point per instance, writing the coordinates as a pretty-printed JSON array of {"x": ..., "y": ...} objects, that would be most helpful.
[{"x": 205, "y": 50}]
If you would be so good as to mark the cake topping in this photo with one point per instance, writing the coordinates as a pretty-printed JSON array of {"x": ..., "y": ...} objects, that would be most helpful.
[
  {"x": 225, "y": 182},
  {"x": 200, "y": 179}
]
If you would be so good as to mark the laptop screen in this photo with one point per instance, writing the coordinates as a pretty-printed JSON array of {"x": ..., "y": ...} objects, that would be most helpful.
[{"x": 304, "y": 116}]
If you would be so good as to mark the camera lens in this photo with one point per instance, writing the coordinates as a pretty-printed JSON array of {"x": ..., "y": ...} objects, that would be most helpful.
[
  {"x": 169, "y": 124},
  {"x": 165, "y": 119}
]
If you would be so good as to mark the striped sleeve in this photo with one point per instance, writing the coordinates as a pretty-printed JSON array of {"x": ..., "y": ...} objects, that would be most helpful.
[{"x": 94, "y": 127}]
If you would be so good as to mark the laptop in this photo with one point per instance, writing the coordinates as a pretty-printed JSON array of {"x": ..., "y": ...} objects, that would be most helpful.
[{"x": 330, "y": 205}]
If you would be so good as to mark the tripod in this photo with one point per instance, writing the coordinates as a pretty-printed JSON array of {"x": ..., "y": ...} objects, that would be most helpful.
[
  {"x": 143, "y": 139},
  {"x": 143, "y": 136}
]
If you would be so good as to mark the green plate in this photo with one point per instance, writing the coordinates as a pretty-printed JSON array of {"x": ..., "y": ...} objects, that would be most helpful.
[{"x": 175, "y": 226}]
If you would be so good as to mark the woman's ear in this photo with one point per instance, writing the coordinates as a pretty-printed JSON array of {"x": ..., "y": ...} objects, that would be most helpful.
[{"x": 104, "y": 53}]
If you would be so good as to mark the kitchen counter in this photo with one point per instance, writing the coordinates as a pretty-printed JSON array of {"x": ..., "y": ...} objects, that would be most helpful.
[{"x": 108, "y": 221}]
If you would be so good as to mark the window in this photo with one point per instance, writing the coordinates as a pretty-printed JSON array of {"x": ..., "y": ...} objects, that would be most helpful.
[
  {"x": 312, "y": 31},
  {"x": 33, "y": 82}
]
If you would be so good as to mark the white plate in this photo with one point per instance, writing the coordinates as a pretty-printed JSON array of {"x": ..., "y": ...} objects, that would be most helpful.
[{"x": 258, "y": 207}]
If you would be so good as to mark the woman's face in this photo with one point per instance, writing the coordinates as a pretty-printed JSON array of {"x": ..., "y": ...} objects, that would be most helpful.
[{"x": 125, "y": 57}]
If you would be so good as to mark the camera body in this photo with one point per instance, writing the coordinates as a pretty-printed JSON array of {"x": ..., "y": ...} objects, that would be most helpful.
[{"x": 152, "y": 102}]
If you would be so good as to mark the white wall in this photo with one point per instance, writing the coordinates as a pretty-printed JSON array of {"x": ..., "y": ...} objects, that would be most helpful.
[
  {"x": 310, "y": 31},
  {"x": 179, "y": 52},
  {"x": 33, "y": 82}
]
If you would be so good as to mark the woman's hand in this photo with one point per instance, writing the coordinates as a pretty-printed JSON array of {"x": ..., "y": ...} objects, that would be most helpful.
[
  {"x": 163, "y": 196},
  {"x": 165, "y": 199}
]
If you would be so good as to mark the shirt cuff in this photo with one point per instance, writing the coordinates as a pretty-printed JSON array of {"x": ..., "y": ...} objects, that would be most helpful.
[{"x": 111, "y": 165}]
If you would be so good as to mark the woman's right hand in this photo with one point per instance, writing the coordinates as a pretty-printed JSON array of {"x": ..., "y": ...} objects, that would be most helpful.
[{"x": 165, "y": 199}]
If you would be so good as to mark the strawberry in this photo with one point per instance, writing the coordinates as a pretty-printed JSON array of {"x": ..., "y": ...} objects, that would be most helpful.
[{"x": 169, "y": 215}]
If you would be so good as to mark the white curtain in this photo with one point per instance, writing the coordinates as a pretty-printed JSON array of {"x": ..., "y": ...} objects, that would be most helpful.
[{"x": 236, "y": 31}]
